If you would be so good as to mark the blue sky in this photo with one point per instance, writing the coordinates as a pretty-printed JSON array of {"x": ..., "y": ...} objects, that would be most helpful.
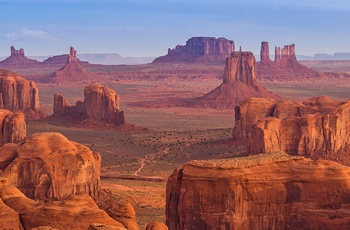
[{"x": 150, "y": 27}]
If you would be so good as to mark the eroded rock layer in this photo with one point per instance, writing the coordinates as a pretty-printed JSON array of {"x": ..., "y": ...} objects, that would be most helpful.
[
  {"x": 100, "y": 103},
  {"x": 318, "y": 127},
  {"x": 267, "y": 191},
  {"x": 239, "y": 83},
  {"x": 17, "y": 58},
  {"x": 12, "y": 126},
  {"x": 200, "y": 50},
  {"x": 49, "y": 166},
  {"x": 77, "y": 212}
]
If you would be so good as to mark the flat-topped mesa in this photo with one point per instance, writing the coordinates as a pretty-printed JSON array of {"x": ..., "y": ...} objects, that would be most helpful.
[
  {"x": 100, "y": 103},
  {"x": 317, "y": 128},
  {"x": 288, "y": 54},
  {"x": 265, "y": 191},
  {"x": 239, "y": 84},
  {"x": 19, "y": 94},
  {"x": 200, "y": 50}
]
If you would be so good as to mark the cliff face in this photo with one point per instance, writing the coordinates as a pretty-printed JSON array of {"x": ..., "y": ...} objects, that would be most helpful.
[
  {"x": 100, "y": 103},
  {"x": 317, "y": 128},
  {"x": 47, "y": 165},
  {"x": 200, "y": 50},
  {"x": 259, "y": 192},
  {"x": 13, "y": 127},
  {"x": 285, "y": 66},
  {"x": 239, "y": 83},
  {"x": 17, "y": 93}
]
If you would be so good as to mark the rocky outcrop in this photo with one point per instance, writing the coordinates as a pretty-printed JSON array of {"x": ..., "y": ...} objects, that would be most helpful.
[
  {"x": 78, "y": 212},
  {"x": 154, "y": 225},
  {"x": 17, "y": 58},
  {"x": 239, "y": 83},
  {"x": 72, "y": 71},
  {"x": 199, "y": 50},
  {"x": 317, "y": 128},
  {"x": 267, "y": 191},
  {"x": 13, "y": 127},
  {"x": 19, "y": 94},
  {"x": 284, "y": 67},
  {"x": 49, "y": 166},
  {"x": 100, "y": 103}
]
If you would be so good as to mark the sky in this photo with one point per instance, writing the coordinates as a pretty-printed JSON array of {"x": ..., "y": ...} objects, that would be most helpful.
[{"x": 147, "y": 28}]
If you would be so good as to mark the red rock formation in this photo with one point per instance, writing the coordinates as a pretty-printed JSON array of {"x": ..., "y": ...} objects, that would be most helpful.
[
  {"x": 318, "y": 128},
  {"x": 239, "y": 83},
  {"x": 13, "y": 127},
  {"x": 200, "y": 50},
  {"x": 77, "y": 212},
  {"x": 285, "y": 66},
  {"x": 72, "y": 71},
  {"x": 48, "y": 165},
  {"x": 17, "y": 58},
  {"x": 267, "y": 191},
  {"x": 100, "y": 103},
  {"x": 154, "y": 225},
  {"x": 19, "y": 94}
]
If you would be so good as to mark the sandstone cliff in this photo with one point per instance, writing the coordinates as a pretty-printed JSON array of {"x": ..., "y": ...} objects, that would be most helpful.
[
  {"x": 199, "y": 50},
  {"x": 317, "y": 128},
  {"x": 100, "y": 103},
  {"x": 17, "y": 58},
  {"x": 78, "y": 212},
  {"x": 239, "y": 83},
  {"x": 12, "y": 126},
  {"x": 284, "y": 67},
  {"x": 273, "y": 191},
  {"x": 19, "y": 94},
  {"x": 49, "y": 166}
]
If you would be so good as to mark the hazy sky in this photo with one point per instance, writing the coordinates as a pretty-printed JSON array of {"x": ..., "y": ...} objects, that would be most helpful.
[{"x": 150, "y": 27}]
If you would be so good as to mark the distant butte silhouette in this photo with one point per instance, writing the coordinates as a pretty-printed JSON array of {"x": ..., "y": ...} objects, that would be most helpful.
[
  {"x": 199, "y": 50},
  {"x": 17, "y": 58}
]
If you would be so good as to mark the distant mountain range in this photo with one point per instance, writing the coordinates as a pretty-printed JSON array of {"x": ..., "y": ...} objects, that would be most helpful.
[
  {"x": 104, "y": 59},
  {"x": 319, "y": 57}
]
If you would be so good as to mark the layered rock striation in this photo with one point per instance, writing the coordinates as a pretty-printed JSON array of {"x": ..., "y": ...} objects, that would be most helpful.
[
  {"x": 317, "y": 128},
  {"x": 284, "y": 67},
  {"x": 78, "y": 212},
  {"x": 239, "y": 83},
  {"x": 19, "y": 94},
  {"x": 267, "y": 191},
  {"x": 12, "y": 126},
  {"x": 49, "y": 166},
  {"x": 199, "y": 50},
  {"x": 100, "y": 103}
]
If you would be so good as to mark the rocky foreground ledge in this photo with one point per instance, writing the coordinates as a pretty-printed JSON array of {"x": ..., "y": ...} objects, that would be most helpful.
[{"x": 266, "y": 191}]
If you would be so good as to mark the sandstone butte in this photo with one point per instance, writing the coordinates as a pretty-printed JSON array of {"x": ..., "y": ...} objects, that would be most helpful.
[
  {"x": 284, "y": 67},
  {"x": 19, "y": 94},
  {"x": 266, "y": 191},
  {"x": 317, "y": 128},
  {"x": 72, "y": 71},
  {"x": 50, "y": 168},
  {"x": 100, "y": 103},
  {"x": 239, "y": 83},
  {"x": 17, "y": 58},
  {"x": 199, "y": 50}
]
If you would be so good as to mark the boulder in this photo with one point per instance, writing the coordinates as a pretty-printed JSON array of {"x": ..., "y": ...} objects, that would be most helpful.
[
  {"x": 154, "y": 225},
  {"x": 266, "y": 191},
  {"x": 48, "y": 166}
]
